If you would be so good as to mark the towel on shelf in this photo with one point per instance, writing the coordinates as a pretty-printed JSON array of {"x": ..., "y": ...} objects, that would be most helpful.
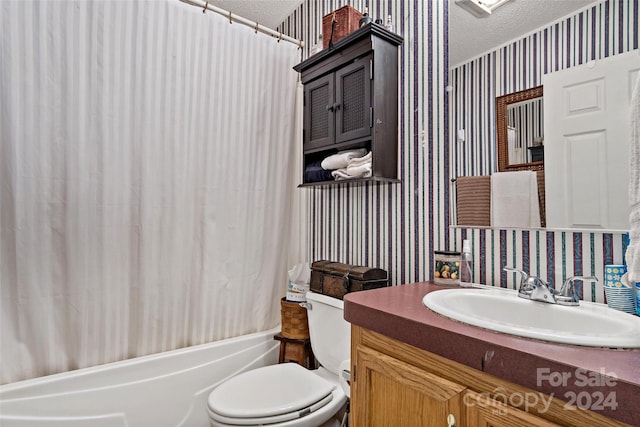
[
  {"x": 340, "y": 174},
  {"x": 356, "y": 167},
  {"x": 314, "y": 173},
  {"x": 632, "y": 256},
  {"x": 359, "y": 170},
  {"x": 514, "y": 200},
  {"x": 341, "y": 159},
  {"x": 358, "y": 161}
]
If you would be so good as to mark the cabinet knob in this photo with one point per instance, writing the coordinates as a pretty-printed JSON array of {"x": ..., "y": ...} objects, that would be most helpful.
[
  {"x": 451, "y": 420},
  {"x": 336, "y": 106},
  {"x": 329, "y": 107}
]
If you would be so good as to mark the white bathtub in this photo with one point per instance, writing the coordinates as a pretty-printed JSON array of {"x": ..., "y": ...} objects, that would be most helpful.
[{"x": 164, "y": 389}]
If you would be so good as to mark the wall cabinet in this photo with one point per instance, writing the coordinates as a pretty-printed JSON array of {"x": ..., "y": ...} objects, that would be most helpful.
[
  {"x": 351, "y": 101},
  {"x": 395, "y": 384}
]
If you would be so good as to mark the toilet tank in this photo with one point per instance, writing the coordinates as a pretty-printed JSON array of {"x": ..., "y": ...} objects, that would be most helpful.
[{"x": 330, "y": 333}]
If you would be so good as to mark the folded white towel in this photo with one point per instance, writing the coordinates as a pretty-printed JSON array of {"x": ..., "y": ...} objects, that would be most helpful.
[
  {"x": 632, "y": 255},
  {"x": 340, "y": 174},
  {"x": 341, "y": 159},
  {"x": 360, "y": 170},
  {"x": 514, "y": 200},
  {"x": 360, "y": 160}
]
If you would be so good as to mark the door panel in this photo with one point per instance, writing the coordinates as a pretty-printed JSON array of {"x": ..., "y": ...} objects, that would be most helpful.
[
  {"x": 353, "y": 101},
  {"x": 395, "y": 393},
  {"x": 482, "y": 411},
  {"x": 319, "y": 115},
  {"x": 586, "y": 143}
]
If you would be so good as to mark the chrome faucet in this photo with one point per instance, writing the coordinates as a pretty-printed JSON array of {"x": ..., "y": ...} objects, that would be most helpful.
[
  {"x": 568, "y": 294},
  {"x": 536, "y": 289}
]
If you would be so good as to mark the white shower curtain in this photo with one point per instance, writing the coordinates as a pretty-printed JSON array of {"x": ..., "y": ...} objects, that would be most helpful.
[{"x": 146, "y": 170}]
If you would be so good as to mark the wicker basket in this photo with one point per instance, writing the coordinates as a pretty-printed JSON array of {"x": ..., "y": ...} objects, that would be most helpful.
[
  {"x": 294, "y": 320},
  {"x": 347, "y": 21}
]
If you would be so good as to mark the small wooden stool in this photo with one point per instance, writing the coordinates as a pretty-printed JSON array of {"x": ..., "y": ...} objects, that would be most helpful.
[{"x": 296, "y": 350}]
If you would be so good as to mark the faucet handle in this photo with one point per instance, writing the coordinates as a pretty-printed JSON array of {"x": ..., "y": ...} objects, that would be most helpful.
[
  {"x": 568, "y": 295},
  {"x": 524, "y": 274},
  {"x": 532, "y": 287},
  {"x": 527, "y": 282}
]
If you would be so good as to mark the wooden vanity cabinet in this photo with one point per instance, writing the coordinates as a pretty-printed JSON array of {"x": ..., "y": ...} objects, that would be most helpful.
[
  {"x": 395, "y": 384},
  {"x": 395, "y": 393},
  {"x": 351, "y": 100}
]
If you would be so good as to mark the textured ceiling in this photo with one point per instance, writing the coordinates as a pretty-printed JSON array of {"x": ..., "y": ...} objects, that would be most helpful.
[{"x": 468, "y": 36}]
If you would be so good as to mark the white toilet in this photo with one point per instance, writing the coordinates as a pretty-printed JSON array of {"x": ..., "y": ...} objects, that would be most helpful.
[{"x": 288, "y": 394}]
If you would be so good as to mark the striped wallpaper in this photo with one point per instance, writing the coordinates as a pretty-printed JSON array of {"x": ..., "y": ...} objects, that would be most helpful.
[
  {"x": 398, "y": 226},
  {"x": 552, "y": 255},
  {"x": 392, "y": 226},
  {"x": 599, "y": 31}
]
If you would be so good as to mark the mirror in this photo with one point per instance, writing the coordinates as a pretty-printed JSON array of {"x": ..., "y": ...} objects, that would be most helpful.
[
  {"x": 519, "y": 117},
  {"x": 520, "y": 129}
]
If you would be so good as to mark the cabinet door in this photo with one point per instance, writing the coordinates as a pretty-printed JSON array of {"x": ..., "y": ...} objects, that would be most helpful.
[
  {"x": 353, "y": 107},
  {"x": 483, "y": 411},
  {"x": 390, "y": 392},
  {"x": 319, "y": 113}
]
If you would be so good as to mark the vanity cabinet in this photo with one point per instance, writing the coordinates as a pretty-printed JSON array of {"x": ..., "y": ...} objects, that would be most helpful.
[
  {"x": 351, "y": 101},
  {"x": 392, "y": 392},
  {"x": 396, "y": 384}
]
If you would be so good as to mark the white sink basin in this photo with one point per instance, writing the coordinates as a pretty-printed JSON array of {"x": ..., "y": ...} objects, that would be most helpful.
[{"x": 501, "y": 310}]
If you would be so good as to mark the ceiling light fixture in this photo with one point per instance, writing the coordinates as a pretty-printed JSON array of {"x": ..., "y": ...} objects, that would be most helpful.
[{"x": 480, "y": 8}]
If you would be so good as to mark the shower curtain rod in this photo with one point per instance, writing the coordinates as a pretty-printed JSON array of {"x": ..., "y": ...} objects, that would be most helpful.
[{"x": 236, "y": 18}]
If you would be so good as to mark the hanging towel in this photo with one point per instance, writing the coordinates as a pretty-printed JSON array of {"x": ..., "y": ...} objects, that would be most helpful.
[
  {"x": 632, "y": 255},
  {"x": 341, "y": 160},
  {"x": 514, "y": 200},
  {"x": 473, "y": 200}
]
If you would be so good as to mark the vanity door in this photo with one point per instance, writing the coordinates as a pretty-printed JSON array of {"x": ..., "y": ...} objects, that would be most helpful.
[{"x": 390, "y": 392}]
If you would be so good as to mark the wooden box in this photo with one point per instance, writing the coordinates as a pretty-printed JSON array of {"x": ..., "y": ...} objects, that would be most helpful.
[
  {"x": 337, "y": 279},
  {"x": 347, "y": 21}
]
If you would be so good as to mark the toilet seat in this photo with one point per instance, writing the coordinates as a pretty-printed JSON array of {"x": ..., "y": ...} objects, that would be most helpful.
[{"x": 268, "y": 395}]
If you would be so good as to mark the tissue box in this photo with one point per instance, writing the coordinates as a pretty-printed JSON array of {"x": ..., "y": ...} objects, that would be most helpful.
[
  {"x": 347, "y": 21},
  {"x": 446, "y": 271},
  {"x": 337, "y": 279}
]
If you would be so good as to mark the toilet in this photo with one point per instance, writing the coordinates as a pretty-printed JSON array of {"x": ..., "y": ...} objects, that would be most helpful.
[{"x": 288, "y": 394}]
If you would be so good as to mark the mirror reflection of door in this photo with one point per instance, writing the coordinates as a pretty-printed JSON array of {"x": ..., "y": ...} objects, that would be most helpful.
[{"x": 587, "y": 143}]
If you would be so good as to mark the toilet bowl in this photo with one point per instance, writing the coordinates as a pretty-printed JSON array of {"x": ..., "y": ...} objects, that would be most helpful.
[{"x": 288, "y": 394}]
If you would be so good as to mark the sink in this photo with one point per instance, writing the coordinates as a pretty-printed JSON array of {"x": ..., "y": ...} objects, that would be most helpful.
[{"x": 589, "y": 324}]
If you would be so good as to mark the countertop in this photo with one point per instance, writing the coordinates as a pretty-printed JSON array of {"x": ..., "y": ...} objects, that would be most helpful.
[{"x": 398, "y": 312}]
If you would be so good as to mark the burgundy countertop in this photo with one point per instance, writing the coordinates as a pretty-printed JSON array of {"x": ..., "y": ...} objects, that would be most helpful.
[{"x": 398, "y": 313}]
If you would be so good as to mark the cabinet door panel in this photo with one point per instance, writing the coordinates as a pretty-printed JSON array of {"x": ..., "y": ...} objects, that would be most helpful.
[
  {"x": 485, "y": 412},
  {"x": 353, "y": 101},
  {"x": 390, "y": 392},
  {"x": 319, "y": 113}
]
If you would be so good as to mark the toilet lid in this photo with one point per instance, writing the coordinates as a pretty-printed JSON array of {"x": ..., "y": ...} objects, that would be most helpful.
[{"x": 270, "y": 391}]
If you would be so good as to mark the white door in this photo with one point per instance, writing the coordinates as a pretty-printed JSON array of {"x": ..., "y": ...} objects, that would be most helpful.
[{"x": 586, "y": 143}]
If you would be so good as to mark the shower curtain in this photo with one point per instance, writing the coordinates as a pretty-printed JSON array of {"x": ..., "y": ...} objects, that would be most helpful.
[{"x": 146, "y": 180}]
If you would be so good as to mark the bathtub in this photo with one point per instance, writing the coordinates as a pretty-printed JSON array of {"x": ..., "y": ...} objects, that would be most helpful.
[{"x": 164, "y": 389}]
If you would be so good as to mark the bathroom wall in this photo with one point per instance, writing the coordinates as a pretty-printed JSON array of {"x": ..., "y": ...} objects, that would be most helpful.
[
  {"x": 397, "y": 226},
  {"x": 392, "y": 226},
  {"x": 599, "y": 31}
]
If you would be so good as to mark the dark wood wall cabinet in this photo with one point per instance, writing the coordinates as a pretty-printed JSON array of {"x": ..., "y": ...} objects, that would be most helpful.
[{"x": 351, "y": 101}]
